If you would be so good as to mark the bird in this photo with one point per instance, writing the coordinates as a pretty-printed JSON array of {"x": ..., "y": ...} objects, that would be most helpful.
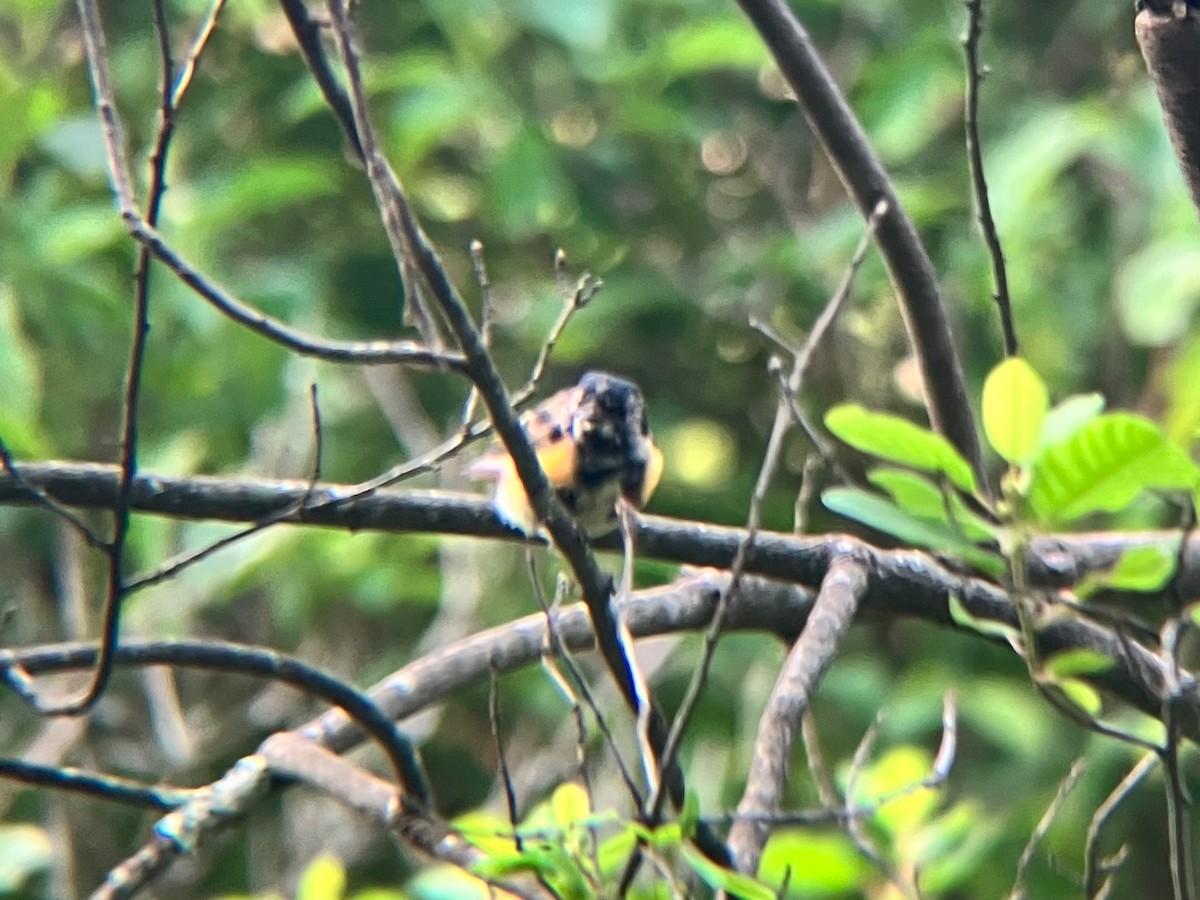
[{"x": 594, "y": 444}]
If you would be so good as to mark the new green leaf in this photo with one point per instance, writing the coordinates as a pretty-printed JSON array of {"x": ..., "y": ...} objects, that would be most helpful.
[
  {"x": 900, "y": 441},
  {"x": 1104, "y": 466},
  {"x": 1015, "y": 401},
  {"x": 885, "y": 516}
]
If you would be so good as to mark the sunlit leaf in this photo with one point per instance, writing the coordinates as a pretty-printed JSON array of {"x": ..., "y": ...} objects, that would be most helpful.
[
  {"x": 1078, "y": 661},
  {"x": 900, "y": 441},
  {"x": 725, "y": 879},
  {"x": 1104, "y": 466},
  {"x": 814, "y": 863},
  {"x": 701, "y": 45},
  {"x": 922, "y": 498},
  {"x": 1067, "y": 417},
  {"x": 1080, "y": 693},
  {"x": 989, "y": 627},
  {"x": 1145, "y": 568},
  {"x": 1182, "y": 387},
  {"x": 885, "y": 516},
  {"x": 569, "y": 804},
  {"x": 323, "y": 879},
  {"x": 1015, "y": 401}
]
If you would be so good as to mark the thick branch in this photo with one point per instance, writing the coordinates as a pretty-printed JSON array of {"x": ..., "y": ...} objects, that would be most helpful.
[
  {"x": 806, "y": 665},
  {"x": 1169, "y": 35},
  {"x": 909, "y": 266},
  {"x": 1058, "y": 560}
]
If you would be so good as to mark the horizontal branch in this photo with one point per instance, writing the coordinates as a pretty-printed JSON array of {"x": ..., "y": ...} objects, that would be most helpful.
[
  {"x": 1136, "y": 675},
  {"x": 1057, "y": 560},
  {"x": 900, "y": 582}
]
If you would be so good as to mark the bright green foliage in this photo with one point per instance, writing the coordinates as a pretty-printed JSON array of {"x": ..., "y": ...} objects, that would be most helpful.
[
  {"x": 963, "y": 618},
  {"x": 1014, "y": 410},
  {"x": 324, "y": 879},
  {"x": 900, "y": 441},
  {"x": 1069, "y": 416},
  {"x": 1104, "y": 466},
  {"x": 933, "y": 532},
  {"x": 1143, "y": 568},
  {"x": 1080, "y": 661},
  {"x": 816, "y": 862},
  {"x": 1065, "y": 463}
]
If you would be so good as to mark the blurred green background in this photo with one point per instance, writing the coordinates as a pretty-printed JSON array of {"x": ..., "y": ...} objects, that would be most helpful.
[{"x": 652, "y": 142}]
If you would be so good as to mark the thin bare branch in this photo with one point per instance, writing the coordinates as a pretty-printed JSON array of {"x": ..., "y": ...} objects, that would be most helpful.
[
  {"x": 1043, "y": 826},
  {"x": 1093, "y": 871},
  {"x": 983, "y": 203}
]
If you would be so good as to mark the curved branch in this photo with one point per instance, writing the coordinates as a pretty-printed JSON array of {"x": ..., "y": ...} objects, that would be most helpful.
[{"x": 908, "y": 264}]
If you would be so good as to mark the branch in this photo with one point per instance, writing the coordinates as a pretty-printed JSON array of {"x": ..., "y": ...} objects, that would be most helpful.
[
  {"x": 983, "y": 211},
  {"x": 908, "y": 264},
  {"x": 806, "y": 664},
  {"x": 1056, "y": 560},
  {"x": 1168, "y": 32}
]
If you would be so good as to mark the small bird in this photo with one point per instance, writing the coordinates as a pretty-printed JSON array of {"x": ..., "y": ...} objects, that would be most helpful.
[{"x": 594, "y": 444}]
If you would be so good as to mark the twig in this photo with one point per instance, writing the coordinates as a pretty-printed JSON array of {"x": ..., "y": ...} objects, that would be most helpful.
[
  {"x": 554, "y": 650},
  {"x": 854, "y": 828},
  {"x": 16, "y": 669},
  {"x": 1178, "y": 821},
  {"x": 510, "y": 792},
  {"x": 983, "y": 203},
  {"x": 1043, "y": 826},
  {"x": 1169, "y": 37},
  {"x": 39, "y": 495},
  {"x": 308, "y": 36},
  {"x": 101, "y": 786},
  {"x": 172, "y": 96},
  {"x": 178, "y": 563},
  {"x": 565, "y": 533},
  {"x": 907, "y": 583},
  {"x": 800, "y": 363},
  {"x": 1092, "y": 870}
]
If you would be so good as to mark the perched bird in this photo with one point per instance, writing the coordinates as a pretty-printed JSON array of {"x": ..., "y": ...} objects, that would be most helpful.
[{"x": 594, "y": 444}]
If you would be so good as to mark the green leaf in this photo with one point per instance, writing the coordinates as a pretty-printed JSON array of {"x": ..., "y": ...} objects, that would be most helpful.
[
  {"x": 26, "y": 851},
  {"x": 1069, "y": 416},
  {"x": 1104, "y": 466},
  {"x": 323, "y": 879},
  {"x": 1146, "y": 568},
  {"x": 690, "y": 814},
  {"x": 713, "y": 44},
  {"x": 1080, "y": 661},
  {"x": 1158, "y": 290},
  {"x": 987, "y": 627},
  {"x": 1182, "y": 389},
  {"x": 922, "y": 498},
  {"x": 1015, "y": 401},
  {"x": 814, "y": 864},
  {"x": 726, "y": 879},
  {"x": 885, "y": 516},
  {"x": 569, "y": 805},
  {"x": 900, "y": 441},
  {"x": 1079, "y": 693}
]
